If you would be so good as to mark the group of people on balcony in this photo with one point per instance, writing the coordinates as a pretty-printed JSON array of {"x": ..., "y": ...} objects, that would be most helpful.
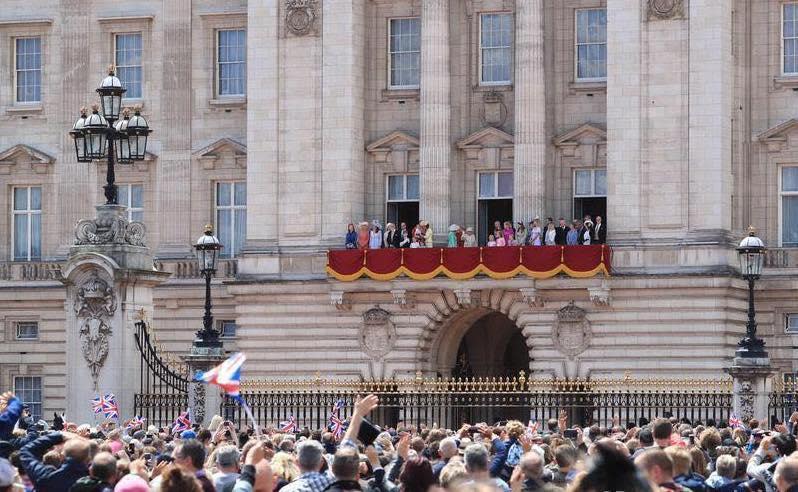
[{"x": 562, "y": 233}]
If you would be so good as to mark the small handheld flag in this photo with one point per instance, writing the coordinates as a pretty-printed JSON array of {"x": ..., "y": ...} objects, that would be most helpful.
[
  {"x": 226, "y": 375},
  {"x": 182, "y": 423},
  {"x": 135, "y": 422},
  {"x": 289, "y": 426},
  {"x": 532, "y": 427},
  {"x": 97, "y": 404},
  {"x": 109, "y": 406},
  {"x": 338, "y": 426},
  {"x": 735, "y": 422}
]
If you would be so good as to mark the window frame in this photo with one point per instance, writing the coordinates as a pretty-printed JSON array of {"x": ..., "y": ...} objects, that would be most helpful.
[
  {"x": 389, "y": 65},
  {"x": 116, "y": 35},
  {"x": 782, "y": 194},
  {"x": 29, "y": 213},
  {"x": 130, "y": 209},
  {"x": 495, "y": 184},
  {"x": 787, "y": 318},
  {"x": 783, "y": 72},
  {"x": 15, "y": 70},
  {"x": 19, "y": 392},
  {"x": 217, "y": 73},
  {"x": 404, "y": 198},
  {"x": 25, "y": 322},
  {"x": 480, "y": 49},
  {"x": 592, "y": 171},
  {"x": 220, "y": 327},
  {"x": 233, "y": 208},
  {"x": 576, "y": 45}
]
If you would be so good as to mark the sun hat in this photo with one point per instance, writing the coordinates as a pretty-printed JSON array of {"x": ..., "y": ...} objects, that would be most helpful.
[{"x": 131, "y": 483}]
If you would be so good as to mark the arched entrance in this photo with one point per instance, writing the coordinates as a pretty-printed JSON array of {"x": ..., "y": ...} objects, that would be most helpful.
[{"x": 492, "y": 347}]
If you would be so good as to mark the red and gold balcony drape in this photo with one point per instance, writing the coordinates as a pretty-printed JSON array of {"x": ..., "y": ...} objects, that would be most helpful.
[{"x": 463, "y": 263}]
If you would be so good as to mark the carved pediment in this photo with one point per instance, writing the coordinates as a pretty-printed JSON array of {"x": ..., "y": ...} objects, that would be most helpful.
[
  {"x": 780, "y": 136},
  {"x": 224, "y": 147},
  {"x": 587, "y": 133},
  {"x": 24, "y": 154},
  {"x": 397, "y": 140},
  {"x": 489, "y": 137}
]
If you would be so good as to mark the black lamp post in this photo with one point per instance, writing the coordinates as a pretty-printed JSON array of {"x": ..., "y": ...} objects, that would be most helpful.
[
  {"x": 207, "y": 247},
  {"x": 95, "y": 134},
  {"x": 752, "y": 258}
]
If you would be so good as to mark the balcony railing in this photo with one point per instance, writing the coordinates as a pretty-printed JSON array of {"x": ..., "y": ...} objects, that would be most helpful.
[
  {"x": 781, "y": 258},
  {"x": 50, "y": 270},
  {"x": 188, "y": 269}
]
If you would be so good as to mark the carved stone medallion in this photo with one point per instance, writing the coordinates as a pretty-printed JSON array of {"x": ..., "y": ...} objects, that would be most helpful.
[
  {"x": 300, "y": 16},
  {"x": 378, "y": 333},
  {"x": 110, "y": 227},
  {"x": 95, "y": 304},
  {"x": 665, "y": 9},
  {"x": 571, "y": 333}
]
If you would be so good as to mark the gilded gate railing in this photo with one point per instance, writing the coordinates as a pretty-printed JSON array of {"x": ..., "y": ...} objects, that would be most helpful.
[{"x": 451, "y": 402}]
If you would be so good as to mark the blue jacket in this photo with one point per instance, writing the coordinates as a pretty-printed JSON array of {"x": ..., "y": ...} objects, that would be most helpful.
[
  {"x": 9, "y": 418},
  {"x": 48, "y": 478},
  {"x": 500, "y": 450},
  {"x": 692, "y": 481}
]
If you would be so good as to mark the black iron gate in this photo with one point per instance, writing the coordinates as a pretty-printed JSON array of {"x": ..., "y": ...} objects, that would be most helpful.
[{"x": 163, "y": 384}]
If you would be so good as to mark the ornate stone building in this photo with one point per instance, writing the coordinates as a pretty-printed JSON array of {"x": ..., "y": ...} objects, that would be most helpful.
[{"x": 281, "y": 121}]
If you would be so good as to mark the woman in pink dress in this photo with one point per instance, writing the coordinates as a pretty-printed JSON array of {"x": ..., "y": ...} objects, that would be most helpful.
[{"x": 508, "y": 233}]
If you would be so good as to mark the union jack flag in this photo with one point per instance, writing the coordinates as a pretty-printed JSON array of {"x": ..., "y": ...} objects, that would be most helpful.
[
  {"x": 338, "y": 426},
  {"x": 289, "y": 426},
  {"x": 135, "y": 422},
  {"x": 226, "y": 375},
  {"x": 106, "y": 404},
  {"x": 532, "y": 427},
  {"x": 734, "y": 422},
  {"x": 182, "y": 423},
  {"x": 97, "y": 404},
  {"x": 336, "y": 410}
]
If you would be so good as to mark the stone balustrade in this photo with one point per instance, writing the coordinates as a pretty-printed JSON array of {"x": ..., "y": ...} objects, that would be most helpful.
[
  {"x": 781, "y": 258},
  {"x": 51, "y": 270},
  {"x": 188, "y": 268}
]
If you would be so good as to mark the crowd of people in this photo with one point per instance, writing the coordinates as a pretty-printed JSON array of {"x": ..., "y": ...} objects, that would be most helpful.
[
  {"x": 563, "y": 233},
  {"x": 666, "y": 454}
]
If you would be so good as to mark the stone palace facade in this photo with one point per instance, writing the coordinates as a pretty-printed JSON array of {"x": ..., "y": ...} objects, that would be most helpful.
[{"x": 281, "y": 121}]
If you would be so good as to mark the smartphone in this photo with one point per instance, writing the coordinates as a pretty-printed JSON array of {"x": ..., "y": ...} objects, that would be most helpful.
[
  {"x": 147, "y": 457},
  {"x": 570, "y": 433}
]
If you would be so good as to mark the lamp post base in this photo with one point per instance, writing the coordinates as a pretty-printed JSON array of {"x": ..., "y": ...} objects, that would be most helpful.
[{"x": 753, "y": 381}]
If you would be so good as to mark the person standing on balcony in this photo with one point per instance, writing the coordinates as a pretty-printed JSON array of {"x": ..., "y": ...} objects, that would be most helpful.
[
  {"x": 452, "y": 237},
  {"x": 392, "y": 237},
  {"x": 363, "y": 236},
  {"x": 599, "y": 231},
  {"x": 469, "y": 238},
  {"x": 508, "y": 233},
  {"x": 572, "y": 237},
  {"x": 375, "y": 240},
  {"x": 351, "y": 237},
  {"x": 535, "y": 234},
  {"x": 492, "y": 241},
  {"x": 427, "y": 234},
  {"x": 585, "y": 233},
  {"x": 497, "y": 229},
  {"x": 404, "y": 236},
  {"x": 521, "y": 235},
  {"x": 561, "y": 238},
  {"x": 551, "y": 235}
]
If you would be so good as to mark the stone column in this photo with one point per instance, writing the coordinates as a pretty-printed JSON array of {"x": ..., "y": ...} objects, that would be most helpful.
[
  {"x": 530, "y": 113},
  {"x": 753, "y": 383},
  {"x": 109, "y": 278},
  {"x": 203, "y": 400},
  {"x": 435, "y": 150}
]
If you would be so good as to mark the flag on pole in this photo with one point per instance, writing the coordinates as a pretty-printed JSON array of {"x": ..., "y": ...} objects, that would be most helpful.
[
  {"x": 735, "y": 422},
  {"x": 338, "y": 426},
  {"x": 226, "y": 375},
  {"x": 182, "y": 423},
  {"x": 108, "y": 406},
  {"x": 289, "y": 426}
]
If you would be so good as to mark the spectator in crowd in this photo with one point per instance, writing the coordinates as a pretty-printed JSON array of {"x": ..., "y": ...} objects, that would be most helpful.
[
  {"x": 77, "y": 456},
  {"x": 189, "y": 456},
  {"x": 477, "y": 465},
  {"x": 785, "y": 476},
  {"x": 658, "y": 467},
  {"x": 227, "y": 458}
]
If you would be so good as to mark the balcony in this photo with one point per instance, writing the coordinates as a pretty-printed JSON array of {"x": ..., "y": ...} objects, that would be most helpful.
[
  {"x": 51, "y": 270},
  {"x": 781, "y": 258},
  {"x": 463, "y": 263}
]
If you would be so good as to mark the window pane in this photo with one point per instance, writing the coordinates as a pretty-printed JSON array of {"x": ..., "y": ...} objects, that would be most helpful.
[
  {"x": 487, "y": 185},
  {"x": 231, "y": 62},
  {"x": 240, "y": 230},
  {"x": 240, "y": 193},
  {"x": 228, "y": 328},
  {"x": 35, "y": 198},
  {"x": 224, "y": 229},
  {"x": 405, "y": 45},
  {"x": 412, "y": 187},
  {"x": 20, "y": 198},
  {"x": 122, "y": 195},
  {"x": 29, "y": 390},
  {"x": 128, "y": 63},
  {"x": 137, "y": 216},
  {"x": 27, "y": 330},
  {"x": 223, "y": 194},
  {"x": 35, "y": 236},
  {"x": 789, "y": 221},
  {"x": 601, "y": 182},
  {"x": 789, "y": 179},
  {"x": 20, "y": 237},
  {"x": 136, "y": 196},
  {"x": 395, "y": 187},
  {"x": 506, "y": 185},
  {"x": 582, "y": 182}
]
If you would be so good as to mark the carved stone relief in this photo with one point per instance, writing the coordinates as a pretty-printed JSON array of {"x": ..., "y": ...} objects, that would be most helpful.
[
  {"x": 571, "y": 333},
  {"x": 301, "y": 16},
  {"x": 110, "y": 227},
  {"x": 378, "y": 333},
  {"x": 665, "y": 9},
  {"x": 95, "y": 304}
]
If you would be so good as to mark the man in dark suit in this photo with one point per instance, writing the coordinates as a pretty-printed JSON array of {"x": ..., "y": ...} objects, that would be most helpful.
[
  {"x": 599, "y": 231},
  {"x": 561, "y": 233}
]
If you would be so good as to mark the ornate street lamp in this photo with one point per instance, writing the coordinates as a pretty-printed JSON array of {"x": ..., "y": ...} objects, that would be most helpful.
[
  {"x": 752, "y": 258},
  {"x": 95, "y": 135},
  {"x": 207, "y": 248}
]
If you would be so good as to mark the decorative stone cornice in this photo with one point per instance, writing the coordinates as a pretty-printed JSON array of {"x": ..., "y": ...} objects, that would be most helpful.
[
  {"x": 38, "y": 161},
  {"x": 775, "y": 138},
  {"x": 209, "y": 155}
]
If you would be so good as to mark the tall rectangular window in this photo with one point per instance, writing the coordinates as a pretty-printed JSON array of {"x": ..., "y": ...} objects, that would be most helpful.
[
  {"x": 496, "y": 48},
  {"x": 789, "y": 34},
  {"x": 132, "y": 196},
  {"x": 231, "y": 62},
  {"x": 405, "y": 53},
  {"x": 29, "y": 390},
  {"x": 591, "y": 44},
  {"x": 28, "y": 69},
  {"x": 128, "y": 63},
  {"x": 789, "y": 206},
  {"x": 231, "y": 216},
  {"x": 27, "y": 219}
]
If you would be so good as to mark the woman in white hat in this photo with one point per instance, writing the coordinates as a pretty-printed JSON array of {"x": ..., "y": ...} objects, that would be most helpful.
[{"x": 469, "y": 238}]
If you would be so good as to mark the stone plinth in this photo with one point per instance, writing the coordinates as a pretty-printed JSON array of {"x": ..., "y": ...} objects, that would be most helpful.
[
  {"x": 753, "y": 382},
  {"x": 109, "y": 280},
  {"x": 203, "y": 400}
]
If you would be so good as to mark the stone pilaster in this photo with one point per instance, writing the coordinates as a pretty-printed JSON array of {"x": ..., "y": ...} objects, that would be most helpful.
[
  {"x": 173, "y": 171},
  {"x": 530, "y": 113},
  {"x": 753, "y": 382},
  {"x": 435, "y": 150}
]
